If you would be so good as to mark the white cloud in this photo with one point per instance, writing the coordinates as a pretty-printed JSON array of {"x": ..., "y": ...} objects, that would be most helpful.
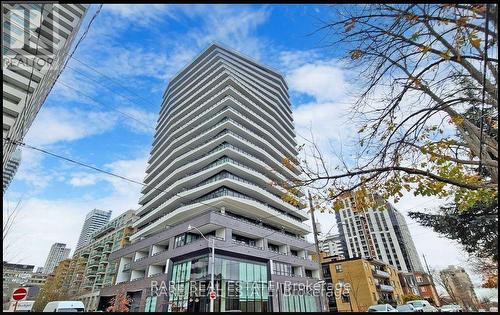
[
  {"x": 83, "y": 179},
  {"x": 42, "y": 222},
  {"x": 290, "y": 60},
  {"x": 141, "y": 14},
  {"x": 143, "y": 122},
  {"x": 323, "y": 81},
  {"x": 132, "y": 169},
  {"x": 230, "y": 25},
  {"x": 56, "y": 124}
]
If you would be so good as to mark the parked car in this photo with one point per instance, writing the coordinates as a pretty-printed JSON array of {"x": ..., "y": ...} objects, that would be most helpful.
[
  {"x": 422, "y": 306},
  {"x": 64, "y": 306},
  {"x": 382, "y": 308},
  {"x": 451, "y": 308},
  {"x": 407, "y": 308}
]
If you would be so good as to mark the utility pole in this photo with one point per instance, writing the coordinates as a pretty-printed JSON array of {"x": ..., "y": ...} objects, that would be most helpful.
[
  {"x": 432, "y": 280},
  {"x": 315, "y": 233}
]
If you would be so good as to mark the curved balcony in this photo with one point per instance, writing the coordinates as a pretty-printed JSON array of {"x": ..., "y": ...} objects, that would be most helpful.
[
  {"x": 193, "y": 180},
  {"x": 240, "y": 206},
  {"x": 185, "y": 121},
  {"x": 224, "y": 136},
  {"x": 196, "y": 164},
  {"x": 218, "y": 58},
  {"x": 227, "y": 115},
  {"x": 380, "y": 273},
  {"x": 234, "y": 109},
  {"x": 239, "y": 185}
]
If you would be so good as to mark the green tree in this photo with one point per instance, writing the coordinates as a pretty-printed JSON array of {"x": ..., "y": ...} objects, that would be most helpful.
[{"x": 475, "y": 229}]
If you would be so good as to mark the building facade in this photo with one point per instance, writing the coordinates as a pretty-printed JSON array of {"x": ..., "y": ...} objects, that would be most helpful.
[
  {"x": 409, "y": 283},
  {"x": 94, "y": 220},
  {"x": 14, "y": 276},
  {"x": 332, "y": 245},
  {"x": 36, "y": 41},
  {"x": 11, "y": 169},
  {"x": 426, "y": 287},
  {"x": 215, "y": 177},
  {"x": 403, "y": 235},
  {"x": 460, "y": 288},
  {"x": 358, "y": 283},
  {"x": 379, "y": 232},
  {"x": 90, "y": 269},
  {"x": 58, "y": 252}
]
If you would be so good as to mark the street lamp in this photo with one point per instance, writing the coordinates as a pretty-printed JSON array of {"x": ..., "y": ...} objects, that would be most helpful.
[{"x": 190, "y": 227}]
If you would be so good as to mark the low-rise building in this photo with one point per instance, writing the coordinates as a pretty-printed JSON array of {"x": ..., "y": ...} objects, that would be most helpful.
[
  {"x": 14, "y": 276},
  {"x": 409, "y": 283},
  {"x": 427, "y": 288},
  {"x": 359, "y": 283}
]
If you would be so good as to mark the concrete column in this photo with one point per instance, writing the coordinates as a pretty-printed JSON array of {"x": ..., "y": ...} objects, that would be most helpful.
[
  {"x": 221, "y": 233},
  {"x": 265, "y": 245},
  {"x": 228, "y": 234},
  {"x": 171, "y": 243}
]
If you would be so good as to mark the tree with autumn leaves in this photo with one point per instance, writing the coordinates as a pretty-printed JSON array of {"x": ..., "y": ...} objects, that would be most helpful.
[
  {"x": 120, "y": 303},
  {"x": 421, "y": 69},
  {"x": 426, "y": 108}
]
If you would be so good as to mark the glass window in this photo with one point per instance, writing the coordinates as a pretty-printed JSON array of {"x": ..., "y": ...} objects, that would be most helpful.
[{"x": 338, "y": 268}]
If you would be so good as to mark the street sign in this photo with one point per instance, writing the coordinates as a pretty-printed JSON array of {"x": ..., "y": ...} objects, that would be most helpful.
[
  {"x": 213, "y": 295},
  {"x": 19, "y": 294}
]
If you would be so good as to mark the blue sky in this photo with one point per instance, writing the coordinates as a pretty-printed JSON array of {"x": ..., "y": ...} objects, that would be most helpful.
[{"x": 133, "y": 51}]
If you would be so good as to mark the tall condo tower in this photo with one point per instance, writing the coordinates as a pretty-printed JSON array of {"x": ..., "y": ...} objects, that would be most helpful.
[
  {"x": 380, "y": 234},
  {"x": 36, "y": 41},
  {"x": 214, "y": 174},
  {"x": 58, "y": 252},
  {"x": 94, "y": 220}
]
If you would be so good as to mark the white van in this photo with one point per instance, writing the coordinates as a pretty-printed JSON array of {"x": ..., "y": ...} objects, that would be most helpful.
[{"x": 64, "y": 306}]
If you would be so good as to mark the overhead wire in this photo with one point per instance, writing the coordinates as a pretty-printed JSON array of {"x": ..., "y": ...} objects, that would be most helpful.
[{"x": 117, "y": 175}]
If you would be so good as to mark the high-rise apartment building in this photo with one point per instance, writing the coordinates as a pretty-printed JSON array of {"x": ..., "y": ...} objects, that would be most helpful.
[
  {"x": 403, "y": 235},
  {"x": 377, "y": 233},
  {"x": 94, "y": 220},
  {"x": 11, "y": 169},
  {"x": 214, "y": 178},
  {"x": 460, "y": 288},
  {"x": 58, "y": 252},
  {"x": 90, "y": 269},
  {"x": 332, "y": 245},
  {"x": 36, "y": 39}
]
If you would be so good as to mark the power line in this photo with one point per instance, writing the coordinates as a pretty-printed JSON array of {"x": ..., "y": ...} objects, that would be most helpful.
[
  {"x": 82, "y": 37},
  {"x": 117, "y": 175}
]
